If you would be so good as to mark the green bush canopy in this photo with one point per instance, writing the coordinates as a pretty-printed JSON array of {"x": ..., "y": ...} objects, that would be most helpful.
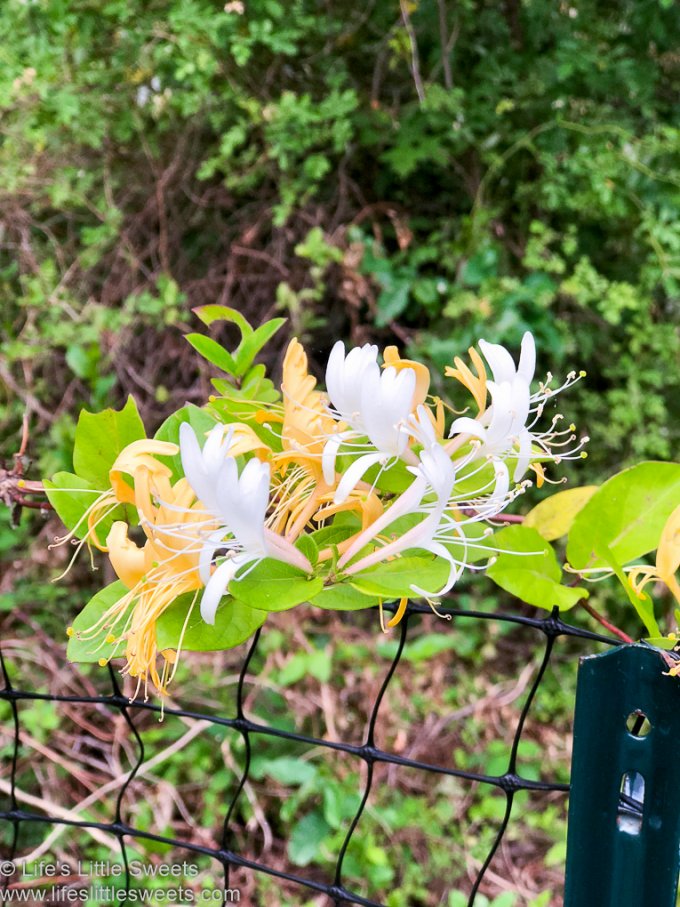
[{"x": 429, "y": 170}]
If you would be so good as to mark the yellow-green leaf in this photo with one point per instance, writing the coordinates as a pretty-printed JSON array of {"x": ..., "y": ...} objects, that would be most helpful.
[{"x": 554, "y": 516}]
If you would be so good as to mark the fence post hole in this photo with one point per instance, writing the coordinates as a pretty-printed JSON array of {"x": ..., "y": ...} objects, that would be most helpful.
[{"x": 623, "y": 841}]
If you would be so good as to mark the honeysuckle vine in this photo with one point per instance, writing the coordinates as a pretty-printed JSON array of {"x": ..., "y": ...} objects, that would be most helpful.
[{"x": 373, "y": 490}]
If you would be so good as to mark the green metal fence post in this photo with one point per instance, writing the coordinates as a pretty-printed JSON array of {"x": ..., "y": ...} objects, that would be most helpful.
[{"x": 623, "y": 841}]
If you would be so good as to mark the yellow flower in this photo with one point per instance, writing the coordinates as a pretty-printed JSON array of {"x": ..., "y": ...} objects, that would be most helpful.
[
  {"x": 135, "y": 455},
  {"x": 298, "y": 483},
  {"x": 667, "y": 561},
  {"x": 476, "y": 384},
  {"x": 392, "y": 358},
  {"x": 166, "y": 567}
]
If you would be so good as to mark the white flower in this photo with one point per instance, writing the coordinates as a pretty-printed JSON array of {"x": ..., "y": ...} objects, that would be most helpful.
[
  {"x": 502, "y": 429},
  {"x": 502, "y": 364},
  {"x": 345, "y": 376},
  {"x": 374, "y": 404},
  {"x": 202, "y": 467},
  {"x": 240, "y": 503}
]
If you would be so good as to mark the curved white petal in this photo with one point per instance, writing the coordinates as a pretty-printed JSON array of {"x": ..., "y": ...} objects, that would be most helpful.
[
  {"x": 440, "y": 472},
  {"x": 455, "y": 571},
  {"x": 527, "y": 358},
  {"x": 192, "y": 464},
  {"x": 354, "y": 474},
  {"x": 468, "y": 426},
  {"x": 500, "y": 360},
  {"x": 214, "y": 541},
  {"x": 216, "y": 588},
  {"x": 422, "y": 428},
  {"x": 346, "y": 377},
  {"x": 329, "y": 456},
  {"x": 243, "y": 502},
  {"x": 502, "y": 484},
  {"x": 214, "y": 449},
  {"x": 334, "y": 368},
  {"x": 499, "y": 432},
  {"x": 385, "y": 406}
]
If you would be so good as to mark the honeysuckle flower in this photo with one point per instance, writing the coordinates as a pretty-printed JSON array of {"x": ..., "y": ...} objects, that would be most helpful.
[
  {"x": 166, "y": 567},
  {"x": 667, "y": 562},
  {"x": 506, "y": 428},
  {"x": 392, "y": 359},
  {"x": 502, "y": 364},
  {"x": 502, "y": 427},
  {"x": 476, "y": 384},
  {"x": 306, "y": 425},
  {"x": 345, "y": 377},
  {"x": 299, "y": 460},
  {"x": 375, "y": 405},
  {"x": 138, "y": 454},
  {"x": 202, "y": 466},
  {"x": 239, "y": 501}
]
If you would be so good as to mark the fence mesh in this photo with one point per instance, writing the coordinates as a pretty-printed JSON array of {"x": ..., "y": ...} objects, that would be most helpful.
[{"x": 549, "y": 631}]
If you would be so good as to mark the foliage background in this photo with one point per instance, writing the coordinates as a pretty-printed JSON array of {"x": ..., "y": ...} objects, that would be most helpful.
[{"x": 430, "y": 171}]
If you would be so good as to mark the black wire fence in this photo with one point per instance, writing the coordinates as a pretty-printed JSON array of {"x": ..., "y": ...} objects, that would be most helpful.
[{"x": 550, "y": 630}]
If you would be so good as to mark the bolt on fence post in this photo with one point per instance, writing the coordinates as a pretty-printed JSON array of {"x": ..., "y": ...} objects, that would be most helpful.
[{"x": 623, "y": 841}]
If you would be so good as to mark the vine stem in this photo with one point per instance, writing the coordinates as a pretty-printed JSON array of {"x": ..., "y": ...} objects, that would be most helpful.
[{"x": 605, "y": 623}]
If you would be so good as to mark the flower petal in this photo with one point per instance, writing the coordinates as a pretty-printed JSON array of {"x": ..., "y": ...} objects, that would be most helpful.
[
  {"x": 527, "y": 358},
  {"x": 354, "y": 475},
  {"x": 216, "y": 589},
  {"x": 500, "y": 360}
]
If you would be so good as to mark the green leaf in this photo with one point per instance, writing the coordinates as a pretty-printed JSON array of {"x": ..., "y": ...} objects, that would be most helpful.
[
  {"x": 395, "y": 479},
  {"x": 234, "y": 623},
  {"x": 201, "y": 422},
  {"x": 212, "y": 351},
  {"x": 89, "y": 650},
  {"x": 209, "y": 314},
  {"x": 663, "y": 642},
  {"x": 334, "y": 534},
  {"x": 100, "y": 437},
  {"x": 536, "y": 588},
  {"x": 275, "y": 586},
  {"x": 317, "y": 663},
  {"x": 285, "y": 769},
  {"x": 252, "y": 343},
  {"x": 339, "y": 805},
  {"x": 424, "y": 648},
  {"x": 71, "y": 497},
  {"x": 627, "y": 515},
  {"x": 343, "y": 597},
  {"x": 393, "y": 301},
  {"x": 521, "y": 546},
  {"x": 394, "y": 578},
  {"x": 533, "y": 573},
  {"x": 554, "y": 516},
  {"x": 320, "y": 664},
  {"x": 307, "y": 839},
  {"x": 308, "y": 547}
]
